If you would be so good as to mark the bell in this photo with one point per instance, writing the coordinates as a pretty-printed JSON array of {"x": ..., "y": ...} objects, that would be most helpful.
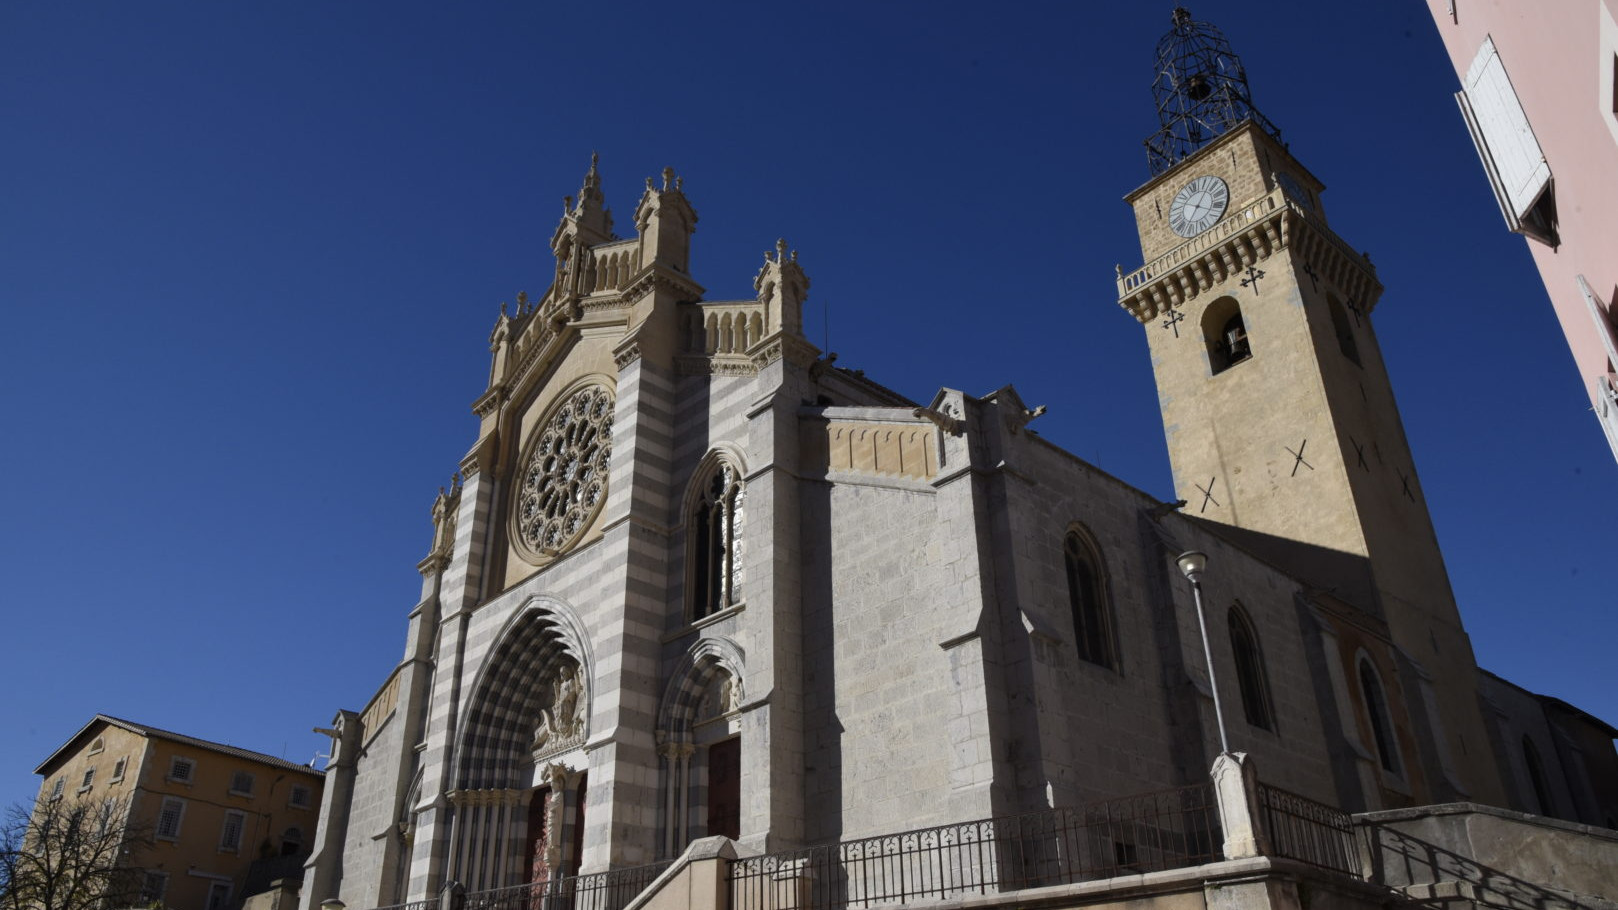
[{"x": 1198, "y": 87}]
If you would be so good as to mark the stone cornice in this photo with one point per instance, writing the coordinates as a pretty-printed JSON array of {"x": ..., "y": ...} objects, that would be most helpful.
[
  {"x": 1245, "y": 238},
  {"x": 489, "y": 401},
  {"x": 657, "y": 278}
]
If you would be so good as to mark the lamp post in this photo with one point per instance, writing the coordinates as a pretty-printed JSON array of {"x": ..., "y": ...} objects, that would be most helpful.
[{"x": 1192, "y": 563}]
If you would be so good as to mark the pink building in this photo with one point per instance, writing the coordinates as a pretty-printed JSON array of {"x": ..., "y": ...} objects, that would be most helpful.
[{"x": 1538, "y": 84}]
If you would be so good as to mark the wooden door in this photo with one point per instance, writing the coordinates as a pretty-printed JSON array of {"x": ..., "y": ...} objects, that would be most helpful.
[{"x": 725, "y": 788}]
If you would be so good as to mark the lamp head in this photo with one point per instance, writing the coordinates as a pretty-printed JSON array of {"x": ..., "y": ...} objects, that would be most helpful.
[{"x": 1192, "y": 563}]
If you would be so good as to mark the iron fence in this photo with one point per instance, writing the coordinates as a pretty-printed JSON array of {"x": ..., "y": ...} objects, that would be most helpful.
[
  {"x": 610, "y": 890},
  {"x": 430, "y": 903},
  {"x": 1165, "y": 830},
  {"x": 1302, "y": 829}
]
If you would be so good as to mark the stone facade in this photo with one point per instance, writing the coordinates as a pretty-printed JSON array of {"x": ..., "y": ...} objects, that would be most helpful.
[{"x": 698, "y": 580}]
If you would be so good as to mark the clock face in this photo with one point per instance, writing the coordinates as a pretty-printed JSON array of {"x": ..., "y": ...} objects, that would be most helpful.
[
  {"x": 1198, "y": 206},
  {"x": 1295, "y": 190}
]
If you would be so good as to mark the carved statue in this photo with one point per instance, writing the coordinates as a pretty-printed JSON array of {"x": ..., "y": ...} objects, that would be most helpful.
[{"x": 564, "y": 719}]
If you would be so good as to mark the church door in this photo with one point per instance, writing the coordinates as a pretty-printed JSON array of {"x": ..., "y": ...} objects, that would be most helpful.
[{"x": 725, "y": 788}]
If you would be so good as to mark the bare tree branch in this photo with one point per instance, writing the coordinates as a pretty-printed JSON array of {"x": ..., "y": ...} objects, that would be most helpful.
[{"x": 69, "y": 854}]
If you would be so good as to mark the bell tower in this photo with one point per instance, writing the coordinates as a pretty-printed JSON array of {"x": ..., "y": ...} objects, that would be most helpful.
[{"x": 1277, "y": 409}]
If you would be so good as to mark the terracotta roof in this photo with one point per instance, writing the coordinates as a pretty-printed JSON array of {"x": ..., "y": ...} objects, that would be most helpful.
[{"x": 156, "y": 733}]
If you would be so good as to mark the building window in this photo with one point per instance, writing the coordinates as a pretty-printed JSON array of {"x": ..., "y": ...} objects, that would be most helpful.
[
  {"x": 153, "y": 886},
  {"x": 292, "y": 842},
  {"x": 1225, "y": 334},
  {"x": 58, "y": 787},
  {"x": 230, "y": 836},
  {"x": 1511, "y": 156},
  {"x": 218, "y": 895},
  {"x": 299, "y": 798},
  {"x": 1087, "y": 598},
  {"x": 169, "y": 818},
  {"x": 241, "y": 783},
  {"x": 1536, "y": 776},
  {"x": 715, "y": 536},
  {"x": 1250, "y": 673},
  {"x": 118, "y": 769},
  {"x": 1345, "y": 332},
  {"x": 181, "y": 770},
  {"x": 89, "y": 778},
  {"x": 1376, "y": 707},
  {"x": 97, "y": 745}
]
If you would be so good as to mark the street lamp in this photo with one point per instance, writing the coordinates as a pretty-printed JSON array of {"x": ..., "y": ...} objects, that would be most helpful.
[{"x": 1192, "y": 563}]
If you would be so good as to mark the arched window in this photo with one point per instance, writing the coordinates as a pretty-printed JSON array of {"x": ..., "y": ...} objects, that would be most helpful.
[
  {"x": 1225, "y": 334},
  {"x": 1087, "y": 595},
  {"x": 292, "y": 842},
  {"x": 1345, "y": 332},
  {"x": 1376, "y": 707},
  {"x": 715, "y": 540},
  {"x": 1250, "y": 671},
  {"x": 1536, "y": 776}
]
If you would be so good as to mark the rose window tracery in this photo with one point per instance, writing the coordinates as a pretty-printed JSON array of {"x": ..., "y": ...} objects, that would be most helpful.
[{"x": 564, "y": 479}]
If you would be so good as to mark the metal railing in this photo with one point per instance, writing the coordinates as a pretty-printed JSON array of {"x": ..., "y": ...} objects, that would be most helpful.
[
  {"x": 430, "y": 903},
  {"x": 1309, "y": 832},
  {"x": 1166, "y": 830},
  {"x": 610, "y": 890}
]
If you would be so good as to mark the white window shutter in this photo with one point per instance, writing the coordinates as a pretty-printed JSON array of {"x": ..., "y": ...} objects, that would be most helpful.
[{"x": 1505, "y": 140}]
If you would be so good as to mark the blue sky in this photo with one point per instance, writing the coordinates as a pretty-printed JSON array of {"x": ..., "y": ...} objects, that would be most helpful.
[{"x": 250, "y": 254}]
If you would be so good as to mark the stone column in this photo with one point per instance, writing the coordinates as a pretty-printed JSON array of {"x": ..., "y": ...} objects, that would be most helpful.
[
  {"x": 1240, "y": 815},
  {"x": 324, "y": 870}
]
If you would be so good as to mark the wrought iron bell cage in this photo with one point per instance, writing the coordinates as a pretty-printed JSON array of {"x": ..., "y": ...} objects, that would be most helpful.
[{"x": 1200, "y": 91}]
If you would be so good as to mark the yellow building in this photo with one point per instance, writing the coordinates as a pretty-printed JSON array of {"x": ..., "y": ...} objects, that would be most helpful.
[{"x": 216, "y": 823}]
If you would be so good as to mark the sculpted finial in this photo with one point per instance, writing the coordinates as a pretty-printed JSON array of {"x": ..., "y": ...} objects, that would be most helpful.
[
  {"x": 595, "y": 159},
  {"x": 648, "y": 183},
  {"x": 567, "y": 204},
  {"x": 502, "y": 309},
  {"x": 668, "y": 177}
]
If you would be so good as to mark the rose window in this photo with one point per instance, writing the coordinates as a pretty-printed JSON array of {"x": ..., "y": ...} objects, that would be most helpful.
[{"x": 564, "y": 479}]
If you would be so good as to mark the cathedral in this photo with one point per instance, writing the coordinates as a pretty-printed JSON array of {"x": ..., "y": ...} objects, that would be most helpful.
[{"x": 696, "y": 579}]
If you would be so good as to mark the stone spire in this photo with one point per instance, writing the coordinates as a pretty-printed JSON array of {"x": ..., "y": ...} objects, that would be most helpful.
[
  {"x": 782, "y": 288},
  {"x": 591, "y": 213},
  {"x": 586, "y": 222},
  {"x": 666, "y": 221}
]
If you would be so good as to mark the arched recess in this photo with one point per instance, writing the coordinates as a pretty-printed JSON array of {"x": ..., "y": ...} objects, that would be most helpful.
[
  {"x": 529, "y": 711},
  {"x": 699, "y": 745},
  {"x": 1089, "y": 598},
  {"x": 1376, "y": 710},
  {"x": 1224, "y": 331},
  {"x": 1344, "y": 332},
  {"x": 405, "y": 839},
  {"x": 714, "y": 516},
  {"x": 1536, "y": 777},
  {"x": 1251, "y": 674}
]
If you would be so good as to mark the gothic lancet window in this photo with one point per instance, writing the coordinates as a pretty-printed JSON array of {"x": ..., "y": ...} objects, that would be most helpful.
[
  {"x": 1536, "y": 776},
  {"x": 1376, "y": 707},
  {"x": 715, "y": 536},
  {"x": 1087, "y": 595},
  {"x": 1250, "y": 673}
]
